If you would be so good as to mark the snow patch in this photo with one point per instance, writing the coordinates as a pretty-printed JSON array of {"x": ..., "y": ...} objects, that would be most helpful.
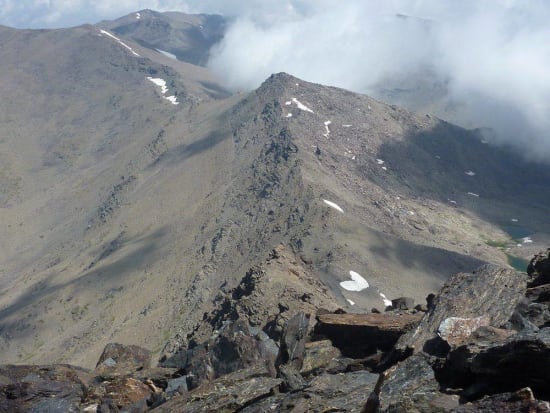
[
  {"x": 526, "y": 240},
  {"x": 357, "y": 282},
  {"x": 346, "y": 126},
  {"x": 473, "y": 194},
  {"x": 350, "y": 302},
  {"x": 380, "y": 162},
  {"x": 288, "y": 115},
  {"x": 301, "y": 106},
  {"x": 138, "y": 16},
  {"x": 470, "y": 173},
  {"x": 106, "y": 33},
  {"x": 288, "y": 103},
  {"x": 514, "y": 220},
  {"x": 333, "y": 205},
  {"x": 163, "y": 89},
  {"x": 452, "y": 201},
  {"x": 384, "y": 168},
  {"x": 387, "y": 302},
  {"x": 327, "y": 133},
  {"x": 167, "y": 54}
]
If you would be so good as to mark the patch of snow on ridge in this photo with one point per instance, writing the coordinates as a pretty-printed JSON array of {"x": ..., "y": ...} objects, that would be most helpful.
[
  {"x": 288, "y": 115},
  {"x": 167, "y": 54},
  {"x": 327, "y": 133},
  {"x": 387, "y": 302},
  {"x": 301, "y": 106},
  {"x": 163, "y": 89},
  {"x": 470, "y": 173},
  {"x": 527, "y": 240},
  {"x": 172, "y": 99},
  {"x": 357, "y": 282},
  {"x": 350, "y": 302},
  {"x": 106, "y": 33},
  {"x": 333, "y": 205},
  {"x": 380, "y": 162},
  {"x": 138, "y": 15},
  {"x": 473, "y": 194}
]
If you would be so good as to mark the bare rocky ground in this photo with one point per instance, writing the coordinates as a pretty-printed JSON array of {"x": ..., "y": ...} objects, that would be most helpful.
[{"x": 128, "y": 219}]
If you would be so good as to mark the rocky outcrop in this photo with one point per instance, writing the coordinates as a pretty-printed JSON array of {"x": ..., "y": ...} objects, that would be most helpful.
[
  {"x": 490, "y": 291},
  {"x": 539, "y": 269},
  {"x": 479, "y": 347},
  {"x": 358, "y": 335}
]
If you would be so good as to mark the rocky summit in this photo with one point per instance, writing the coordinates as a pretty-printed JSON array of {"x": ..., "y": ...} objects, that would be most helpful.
[
  {"x": 297, "y": 247},
  {"x": 457, "y": 354}
]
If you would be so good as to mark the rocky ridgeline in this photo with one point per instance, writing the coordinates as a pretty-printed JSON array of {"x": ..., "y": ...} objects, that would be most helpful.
[{"x": 481, "y": 345}]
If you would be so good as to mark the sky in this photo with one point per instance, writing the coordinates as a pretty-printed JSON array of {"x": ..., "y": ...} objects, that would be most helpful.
[{"x": 492, "y": 56}]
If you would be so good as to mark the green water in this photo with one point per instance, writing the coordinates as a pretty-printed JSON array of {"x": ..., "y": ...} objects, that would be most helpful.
[{"x": 518, "y": 263}]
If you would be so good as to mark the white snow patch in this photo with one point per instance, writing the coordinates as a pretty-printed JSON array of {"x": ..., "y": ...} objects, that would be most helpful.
[
  {"x": 470, "y": 173},
  {"x": 452, "y": 201},
  {"x": 411, "y": 212},
  {"x": 527, "y": 240},
  {"x": 346, "y": 126},
  {"x": 167, "y": 54},
  {"x": 350, "y": 302},
  {"x": 380, "y": 162},
  {"x": 473, "y": 194},
  {"x": 163, "y": 89},
  {"x": 288, "y": 102},
  {"x": 327, "y": 133},
  {"x": 385, "y": 299},
  {"x": 138, "y": 16},
  {"x": 368, "y": 107},
  {"x": 288, "y": 115},
  {"x": 353, "y": 158},
  {"x": 119, "y": 42},
  {"x": 172, "y": 99},
  {"x": 518, "y": 245},
  {"x": 301, "y": 106},
  {"x": 333, "y": 205},
  {"x": 297, "y": 84},
  {"x": 384, "y": 168},
  {"x": 357, "y": 282},
  {"x": 514, "y": 220},
  {"x": 437, "y": 157}
]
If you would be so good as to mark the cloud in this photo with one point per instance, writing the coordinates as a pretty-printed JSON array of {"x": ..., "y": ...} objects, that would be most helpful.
[{"x": 481, "y": 63}]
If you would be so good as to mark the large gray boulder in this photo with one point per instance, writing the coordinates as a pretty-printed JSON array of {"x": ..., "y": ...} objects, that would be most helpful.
[{"x": 490, "y": 292}]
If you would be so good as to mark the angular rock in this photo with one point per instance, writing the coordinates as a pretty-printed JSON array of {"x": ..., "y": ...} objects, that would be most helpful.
[
  {"x": 292, "y": 380},
  {"x": 176, "y": 385},
  {"x": 318, "y": 356},
  {"x": 124, "y": 393},
  {"x": 118, "y": 359},
  {"x": 456, "y": 330},
  {"x": 332, "y": 392},
  {"x": 229, "y": 393},
  {"x": 403, "y": 303},
  {"x": 489, "y": 291},
  {"x": 410, "y": 387},
  {"x": 521, "y": 360},
  {"x": 359, "y": 335},
  {"x": 232, "y": 348},
  {"x": 539, "y": 269},
  {"x": 519, "y": 402},
  {"x": 55, "y": 388},
  {"x": 293, "y": 340}
]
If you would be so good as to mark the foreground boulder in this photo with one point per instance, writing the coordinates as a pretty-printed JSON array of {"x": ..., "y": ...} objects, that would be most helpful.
[
  {"x": 359, "y": 335},
  {"x": 539, "y": 269},
  {"x": 118, "y": 359},
  {"x": 490, "y": 292},
  {"x": 55, "y": 388}
]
